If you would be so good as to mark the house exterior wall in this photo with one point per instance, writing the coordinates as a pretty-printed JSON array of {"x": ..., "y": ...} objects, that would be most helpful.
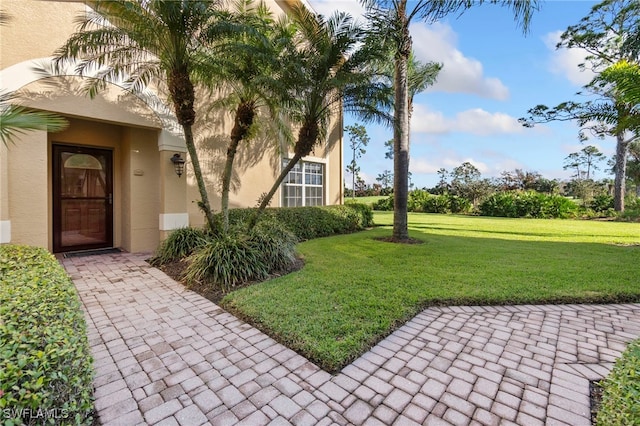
[
  {"x": 28, "y": 190},
  {"x": 149, "y": 199}
]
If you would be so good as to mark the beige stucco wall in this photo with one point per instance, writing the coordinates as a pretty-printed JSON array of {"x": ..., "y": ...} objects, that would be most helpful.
[
  {"x": 5, "y": 224},
  {"x": 149, "y": 199},
  {"x": 257, "y": 163},
  {"x": 35, "y": 29},
  {"x": 28, "y": 191},
  {"x": 140, "y": 189},
  {"x": 333, "y": 152}
]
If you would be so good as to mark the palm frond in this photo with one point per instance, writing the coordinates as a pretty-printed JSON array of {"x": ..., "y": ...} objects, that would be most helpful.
[{"x": 16, "y": 120}]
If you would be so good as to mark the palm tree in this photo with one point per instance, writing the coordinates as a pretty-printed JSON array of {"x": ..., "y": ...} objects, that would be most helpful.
[
  {"x": 327, "y": 72},
  {"x": 248, "y": 70},
  {"x": 390, "y": 20},
  {"x": 15, "y": 119},
  {"x": 143, "y": 41}
]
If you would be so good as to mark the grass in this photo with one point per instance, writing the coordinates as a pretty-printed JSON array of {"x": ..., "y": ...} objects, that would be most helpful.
[
  {"x": 365, "y": 200},
  {"x": 355, "y": 289}
]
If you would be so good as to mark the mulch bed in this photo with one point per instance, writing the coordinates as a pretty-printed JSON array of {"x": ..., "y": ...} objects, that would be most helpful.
[
  {"x": 595, "y": 394},
  {"x": 399, "y": 241},
  {"x": 176, "y": 270}
]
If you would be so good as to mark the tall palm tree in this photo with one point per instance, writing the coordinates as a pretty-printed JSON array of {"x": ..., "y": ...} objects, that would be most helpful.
[
  {"x": 248, "y": 71},
  {"x": 420, "y": 75},
  {"x": 390, "y": 20},
  {"x": 327, "y": 71},
  {"x": 145, "y": 41}
]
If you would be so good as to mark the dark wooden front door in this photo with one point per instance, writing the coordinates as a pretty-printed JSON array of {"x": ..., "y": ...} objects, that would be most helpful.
[{"x": 82, "y": 198}]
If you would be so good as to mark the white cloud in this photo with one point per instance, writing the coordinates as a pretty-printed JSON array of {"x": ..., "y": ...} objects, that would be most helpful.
[
  {"x": 435, "y": 42},
  {"x": 565, "y": 61},
  {"x": 606, "y": 150},
  {"x": 427, "y": 166},
  {"x": 475, "y": 121},
  {"x": 481, "y": 122},
  {"x": 366, "y": 177},
  {"x": 460, "y": 74},
  {"x": 424, "y": 120}
]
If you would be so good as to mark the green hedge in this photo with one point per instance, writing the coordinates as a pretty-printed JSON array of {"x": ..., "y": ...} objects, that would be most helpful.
[
  {"x": 307, "y": 223},
  {"x": 45, "y": 364},
  {"x": 420, "y": 201},
  {"x": 527, "y": 204},
  {"x": 621, "y": 391}
]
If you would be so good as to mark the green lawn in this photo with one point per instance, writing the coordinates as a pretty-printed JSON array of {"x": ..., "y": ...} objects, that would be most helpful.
[
  {"x": 365, "y": 200},
  {"x": 354, "y": 289}
]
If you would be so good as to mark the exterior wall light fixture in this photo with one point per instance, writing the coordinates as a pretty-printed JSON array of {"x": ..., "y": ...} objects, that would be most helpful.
[{"x": 178, "y": 164}]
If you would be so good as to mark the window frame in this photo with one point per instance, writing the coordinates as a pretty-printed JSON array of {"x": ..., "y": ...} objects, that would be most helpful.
[{"x": 301, "y": 176}]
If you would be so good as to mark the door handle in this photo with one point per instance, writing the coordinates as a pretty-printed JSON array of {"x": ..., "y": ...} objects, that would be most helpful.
[{"x": 110, "y": 198}]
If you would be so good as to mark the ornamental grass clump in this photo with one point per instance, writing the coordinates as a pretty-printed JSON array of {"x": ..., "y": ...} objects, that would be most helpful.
[
  {"x": 45, "y": 364},
  {"x": 276, "y": 245},
  {"x": 180, "y": 244},
  {"x": 227, "y": 260}
]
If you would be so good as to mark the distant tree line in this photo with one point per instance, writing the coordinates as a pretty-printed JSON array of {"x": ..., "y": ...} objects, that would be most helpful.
[{"x": 467, "y": 189}]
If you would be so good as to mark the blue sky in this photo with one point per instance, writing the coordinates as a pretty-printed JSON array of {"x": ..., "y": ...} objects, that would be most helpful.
[{"x": 492, "y": 75}]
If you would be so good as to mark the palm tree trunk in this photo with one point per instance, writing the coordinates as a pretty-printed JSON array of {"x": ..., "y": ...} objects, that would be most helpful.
[
  {"x": 401, "y": 132},
  {"x": 267, "y": 198},
  {"x": 619, "y": 189},
  {"x": 183, "y": 97},
  {"x": 307, "y": 138},
  {"x": 243, "y": 121},
  {"x": 226, "y": 183},
  {"x": 204, "y": 204}
]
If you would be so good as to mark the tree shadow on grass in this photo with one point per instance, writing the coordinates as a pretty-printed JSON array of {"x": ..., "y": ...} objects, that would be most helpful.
[{"x": 355, "y": 291}]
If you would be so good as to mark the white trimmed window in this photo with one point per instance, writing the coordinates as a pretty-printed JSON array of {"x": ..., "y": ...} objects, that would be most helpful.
[{"x": 304, "y": 185}]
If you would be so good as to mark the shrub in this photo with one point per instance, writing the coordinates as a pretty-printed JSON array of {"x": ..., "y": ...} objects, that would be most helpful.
[
  {"x": 276, "y": 245},
  {"x": 458, "y": 204},
  {"x": 178, "y": 245},
  {"x": 557, "y": 206},
  {"x": 632, "y": 208},
  {"x": 364, "y": 214},
  {"x": 500, "y": 204},
  {"x": 621, "y": 390},
  {"x": 227, "y": 260},
  {"x": 601, "y": 203},
  {"x": 436, "y": 204},
  {"x": 45, "y": 362},
  {"x": 527, "y": 204},
  {"x": 312, "y": 222},
  {"x": 423, "y": 201},
  {"x": 384, "y": 204},
  {"x": 416, "y": 200}
]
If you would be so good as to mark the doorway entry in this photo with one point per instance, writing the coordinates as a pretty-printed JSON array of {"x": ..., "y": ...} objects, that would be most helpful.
[{"x": 82, "y": 198}]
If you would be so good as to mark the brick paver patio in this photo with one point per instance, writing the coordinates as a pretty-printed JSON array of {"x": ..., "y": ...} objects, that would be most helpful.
[{"x": 166, "y": 356}]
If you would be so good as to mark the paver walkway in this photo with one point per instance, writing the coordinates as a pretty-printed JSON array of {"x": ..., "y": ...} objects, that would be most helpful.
[{"x": 166, "y": 356}]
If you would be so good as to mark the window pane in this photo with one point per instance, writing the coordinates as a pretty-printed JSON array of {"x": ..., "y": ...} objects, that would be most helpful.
[
  {"x": 313, "y": 196},
  {"x": 295, "y": 175},
  {"x": 313, "y": 174},
  {"x": 292, "y": 196},
  {"x": 304, "y": 185}
]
